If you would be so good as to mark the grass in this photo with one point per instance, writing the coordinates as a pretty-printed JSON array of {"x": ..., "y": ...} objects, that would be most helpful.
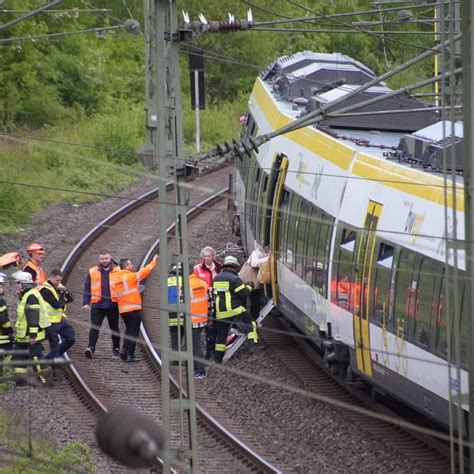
[
  {"x": 22, "y": 453},
  {"x": 38, "y": 173}
]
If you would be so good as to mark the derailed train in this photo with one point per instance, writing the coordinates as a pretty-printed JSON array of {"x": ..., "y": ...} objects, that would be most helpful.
[{"x": 354, "y": 211}]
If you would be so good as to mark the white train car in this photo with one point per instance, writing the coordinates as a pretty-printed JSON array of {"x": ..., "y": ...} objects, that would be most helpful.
[{"x": 354, "y": 211}]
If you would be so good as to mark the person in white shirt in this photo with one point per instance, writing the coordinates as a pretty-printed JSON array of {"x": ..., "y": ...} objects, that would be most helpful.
[{"x": 257, "y": 257}]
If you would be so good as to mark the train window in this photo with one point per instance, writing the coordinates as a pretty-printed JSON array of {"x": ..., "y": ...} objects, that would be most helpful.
[
  {"x": 324, "y": 241},
  {"x": 405, "y": 292},
  {"x": 326, "y": 224},
  {"x": 464, "y": 323},
  {"x": 262, "y": 207},
  {"x": 441, "y": 329},
  {"x": 426, "y": 301},
  {"x": 301, "y": 238},
  {"x": 341, "y": 291},
  {"x": 381, "y": 290},
  {"x": 311, "y": 245},
  {"x": 254, "y": 200},
  {"x": 292, "y": 231},
  {"x": 282, "y": 225}
]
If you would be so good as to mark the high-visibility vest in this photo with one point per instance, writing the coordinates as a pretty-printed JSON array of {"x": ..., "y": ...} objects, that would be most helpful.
[
  {"x": 21, "y": 325},
  {"x": 55, "y": 314},
  {"x": 174, "y": 296},
  {"x": 96, "y": 282},
  {"x": 199, "y": 300},
  {"x": 125, "y": 288},
  {"x": 199, "y": 303},
  {"x": 40, "y": 273}
]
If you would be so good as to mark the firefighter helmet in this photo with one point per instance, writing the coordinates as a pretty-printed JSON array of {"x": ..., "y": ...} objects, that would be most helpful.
[{"x": 231, "y": 261}]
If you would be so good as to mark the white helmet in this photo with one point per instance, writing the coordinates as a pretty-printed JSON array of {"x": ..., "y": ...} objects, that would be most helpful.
[
  {"x": 3, "y": 278},
  {"x": 231, "y": 261},
  {"x": 23, "y": 277}
]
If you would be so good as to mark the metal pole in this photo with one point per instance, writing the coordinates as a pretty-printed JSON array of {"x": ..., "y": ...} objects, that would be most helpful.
[
  {"x": 197, "y": 110},
  {"x": 468, "y": 77},
  {"x": 149, "y": 159},
  {"x": 169, "y": 156}
]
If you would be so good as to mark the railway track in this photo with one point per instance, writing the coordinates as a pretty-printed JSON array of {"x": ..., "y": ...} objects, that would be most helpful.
[
  {"x": 299, "y": 357},
  {"x": 105, "y": 382}
]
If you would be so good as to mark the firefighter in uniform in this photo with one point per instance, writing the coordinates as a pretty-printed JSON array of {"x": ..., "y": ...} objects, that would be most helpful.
[
  {"x": 126, "y": 288},
  {"x": 56, "y": 297},
  {"x": 33, "y": 265},
  {"x": 32, "y": 320},
  {"x": 6, "y": 330},
  {"x": 230, "y": 296}
]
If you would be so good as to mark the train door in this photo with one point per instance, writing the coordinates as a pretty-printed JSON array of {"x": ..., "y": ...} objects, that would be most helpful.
[
  {"x": 274, "y": 228},
  {"x": 361, "y": 287}
]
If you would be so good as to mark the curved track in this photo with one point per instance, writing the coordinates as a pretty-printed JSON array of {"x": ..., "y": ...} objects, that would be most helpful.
[
  {"x": 298, "y": 356},
  {"x": 105, "y": 382}
]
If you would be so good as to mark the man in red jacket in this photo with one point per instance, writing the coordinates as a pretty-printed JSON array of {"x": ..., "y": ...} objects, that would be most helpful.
[{"x": 206, "y": 271}]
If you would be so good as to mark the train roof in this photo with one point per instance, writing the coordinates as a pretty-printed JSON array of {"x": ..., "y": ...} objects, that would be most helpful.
[{"x": 414, "y": 138}]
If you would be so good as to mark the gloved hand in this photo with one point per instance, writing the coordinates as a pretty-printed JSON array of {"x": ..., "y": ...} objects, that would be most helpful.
[{"x": 11, "y": 336}]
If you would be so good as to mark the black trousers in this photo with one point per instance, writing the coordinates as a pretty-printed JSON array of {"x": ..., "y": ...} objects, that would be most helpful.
[
  {"x": 255, "y": 302},
  {"x": 199, "y": 367},
  {"x": 4, "y": 347},
  {"x": 97, "y": 317},
  {"x": 132, "y": 321},
  {"x": 56, "y": 331},
  {"x": 211, "y": 335},
  {"x": 26, "y": 352}
]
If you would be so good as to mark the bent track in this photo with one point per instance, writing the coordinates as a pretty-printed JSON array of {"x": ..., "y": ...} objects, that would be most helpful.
[{"x": 105, "y": 382}]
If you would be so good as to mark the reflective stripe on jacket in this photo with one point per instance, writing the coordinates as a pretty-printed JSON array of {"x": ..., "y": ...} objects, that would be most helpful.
[
  {"x": 199, "y": 304},
  {"x": 230, "y": 294},
  {"x": 24, "y": 326},
  {"x": 55, "y": 314},
  {"x": 125, "y": 288},
  {"x": 40, "y": 274}
]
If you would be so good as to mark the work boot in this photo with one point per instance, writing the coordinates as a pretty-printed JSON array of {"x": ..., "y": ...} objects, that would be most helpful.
[
  {"x": 115, "y": 351},
  {"x": 89, "y": 352},
  {"x": 255, "y": 346},
  {"x": 45, "y": 377},
  {"x": 123, "y": 356}
]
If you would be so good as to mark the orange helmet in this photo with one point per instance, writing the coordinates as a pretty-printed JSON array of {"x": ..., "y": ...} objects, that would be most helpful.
[
  {"x": 9, "y": 260},
  {"x": 35, "y": 248}
]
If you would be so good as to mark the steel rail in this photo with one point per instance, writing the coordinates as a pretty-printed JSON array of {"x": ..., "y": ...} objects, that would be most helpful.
[
  {"x": 71, "y": 372},
  {"x": 203, "y": 414}
]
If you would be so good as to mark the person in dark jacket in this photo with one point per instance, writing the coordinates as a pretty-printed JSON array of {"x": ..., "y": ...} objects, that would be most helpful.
[
  {"x": 230, "y": 294},
  {"x": 97, "y": 300},
  {"x": 6, "y": 330},
  {"x": 56, "y": 297}
]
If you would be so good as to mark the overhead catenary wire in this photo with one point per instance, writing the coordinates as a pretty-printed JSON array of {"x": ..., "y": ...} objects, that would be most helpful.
[
  {"x": 153, "y": 176},
  {"x": 30, "y": 14},
  {"x": 59, "y": 35}
]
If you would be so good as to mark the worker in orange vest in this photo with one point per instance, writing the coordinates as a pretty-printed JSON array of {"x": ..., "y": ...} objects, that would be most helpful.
[
  {"x": 199, "y": 304},
  {"x": 96, "y": 298},
  {"x": 126, "y": 288},
  {"x": 33, "y": 265},
  {"x": 199, "y": 307}
]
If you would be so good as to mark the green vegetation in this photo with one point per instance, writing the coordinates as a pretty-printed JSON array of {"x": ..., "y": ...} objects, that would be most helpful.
[
  {"x": 89, "y": 90},
  {"x": 21, "y": 453}
]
